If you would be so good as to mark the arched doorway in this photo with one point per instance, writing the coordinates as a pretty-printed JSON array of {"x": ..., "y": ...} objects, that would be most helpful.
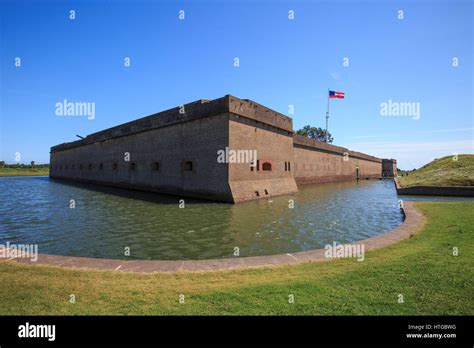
[{"x": 267, "y": 166}]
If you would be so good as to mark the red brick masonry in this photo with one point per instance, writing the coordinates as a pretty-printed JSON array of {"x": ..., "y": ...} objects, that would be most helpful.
[{"x": 414, "y": 221}]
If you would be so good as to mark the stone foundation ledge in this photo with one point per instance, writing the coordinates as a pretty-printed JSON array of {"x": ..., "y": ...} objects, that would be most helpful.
[
  {"x": 456, "y": 191},
  {"x": 414, "y": 221}
]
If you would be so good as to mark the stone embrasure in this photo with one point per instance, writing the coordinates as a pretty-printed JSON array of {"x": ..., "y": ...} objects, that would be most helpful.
[{"x": 414, "y": 221}]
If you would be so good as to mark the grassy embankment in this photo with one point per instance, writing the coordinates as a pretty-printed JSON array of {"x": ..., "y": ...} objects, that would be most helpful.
[
  {"x": 422, "y": 269},
  {"x": 24, "y": 171},
  {"x": 442, "y": 172}
]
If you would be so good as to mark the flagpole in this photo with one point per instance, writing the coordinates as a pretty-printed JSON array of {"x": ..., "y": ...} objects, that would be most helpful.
[{"x": 327, "y": 117}]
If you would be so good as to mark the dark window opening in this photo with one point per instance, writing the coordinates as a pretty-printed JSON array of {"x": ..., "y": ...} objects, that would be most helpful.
[
  {"x": 257, "y": 194},
  {"x": 267, "y": 166},
  {"x": 73, "y": 166},
  {"x": 258, "y": 165},
  {"x": 156, "y": 166},
  {"x": 90, "y": 166},
  {"x": 66, "y": 166},
  {"x": 289, "y": 166},
  {"x": 114, "y": 166},
  {"x": 132, "y": 166},
  {"x": 101, "y": 166},
  {"x": 80, "y": 166},
  {"x": 286, "y": 166},
  {"x": 266, "y": 192},
  {"x": 188, "y": 166}
]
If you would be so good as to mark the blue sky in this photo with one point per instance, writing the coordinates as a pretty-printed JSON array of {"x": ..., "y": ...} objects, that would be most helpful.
[{"x": 282, "y": 62}]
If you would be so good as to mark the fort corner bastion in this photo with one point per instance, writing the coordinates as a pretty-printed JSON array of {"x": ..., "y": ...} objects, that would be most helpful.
[{"x": 179, "y": 151}]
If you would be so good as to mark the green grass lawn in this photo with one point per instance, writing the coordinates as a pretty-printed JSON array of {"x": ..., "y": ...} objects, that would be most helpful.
[
  {"x": 422, "y": 269},
  {"x": 442, "y": 172},
  {"x": 24, "y": 171}
]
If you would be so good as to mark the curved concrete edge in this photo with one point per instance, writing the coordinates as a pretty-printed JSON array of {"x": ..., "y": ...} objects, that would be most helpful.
[{"x": 414, "y": 221}]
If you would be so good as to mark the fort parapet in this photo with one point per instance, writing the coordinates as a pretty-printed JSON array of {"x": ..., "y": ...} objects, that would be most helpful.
[{"x": 177, "y": 152}]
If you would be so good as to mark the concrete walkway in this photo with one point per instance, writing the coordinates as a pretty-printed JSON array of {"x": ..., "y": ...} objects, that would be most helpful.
[{"x": 414, "y": 222}]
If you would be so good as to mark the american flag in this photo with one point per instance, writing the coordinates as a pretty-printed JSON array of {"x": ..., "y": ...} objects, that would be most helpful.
[{"x": 333, "y": 94}]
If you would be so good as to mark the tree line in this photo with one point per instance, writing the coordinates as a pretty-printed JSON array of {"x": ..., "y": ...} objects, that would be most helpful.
[
  {"x": 22, "y": 165},
  {"x": 316, "y": 133}
]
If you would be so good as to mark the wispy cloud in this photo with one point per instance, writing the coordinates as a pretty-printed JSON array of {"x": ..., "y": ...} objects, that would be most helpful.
[
  {"x": 335, "y": 75},
  {"x": 414, "y": 154},
  {"x": 433, "y": 131}
]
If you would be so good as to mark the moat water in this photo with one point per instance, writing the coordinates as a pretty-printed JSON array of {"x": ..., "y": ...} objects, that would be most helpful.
[{"x": 104, "y": 221}]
